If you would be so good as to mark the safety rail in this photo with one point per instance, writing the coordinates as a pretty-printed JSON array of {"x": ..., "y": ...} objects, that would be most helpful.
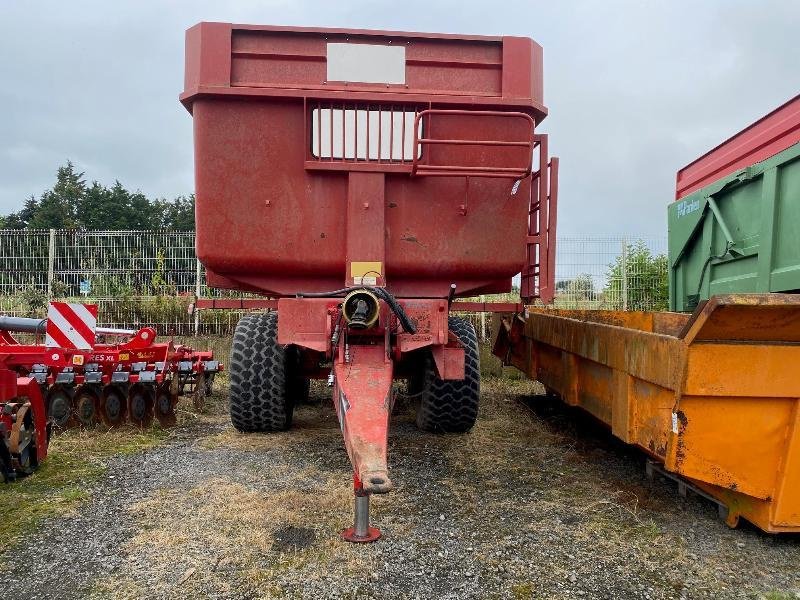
[
  {"x": 360, "y": 136},
  {"x": 538, "y": 276},
  {"x": 432, "y": 170}
]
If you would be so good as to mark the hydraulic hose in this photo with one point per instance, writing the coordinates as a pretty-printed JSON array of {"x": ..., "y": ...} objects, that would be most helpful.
[{"x": 382, "y": 293}]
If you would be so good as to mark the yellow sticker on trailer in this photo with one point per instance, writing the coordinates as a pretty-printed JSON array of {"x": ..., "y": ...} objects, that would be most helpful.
[{"x": 366, "y": 272}]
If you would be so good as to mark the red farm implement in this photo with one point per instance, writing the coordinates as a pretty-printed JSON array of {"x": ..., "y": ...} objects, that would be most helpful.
[
  {"x": 73, "y": 378},
  {"x": 364, "y": 180}
]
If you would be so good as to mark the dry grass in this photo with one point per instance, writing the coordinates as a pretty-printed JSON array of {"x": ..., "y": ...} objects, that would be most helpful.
[
  {"x": 310, "y": 425},
  {"x": 511, "y": 449},
  {"x": 77, "y": 458},
  {"x": 515, "y": 475},
  {"x": 225, "y": 534}
]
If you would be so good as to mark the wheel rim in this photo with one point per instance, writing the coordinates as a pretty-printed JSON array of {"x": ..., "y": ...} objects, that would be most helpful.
[
  {"x": 164, "y": 406},
  {"x": 59, "y": 408},
  {"x": 113, "y": 407},
  {"x": 138, "y": 407},
  {"x": 85, "y": 409}
]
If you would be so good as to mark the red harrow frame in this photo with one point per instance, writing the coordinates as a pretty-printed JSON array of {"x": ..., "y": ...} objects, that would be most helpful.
[{"x": 57, "y": 384}]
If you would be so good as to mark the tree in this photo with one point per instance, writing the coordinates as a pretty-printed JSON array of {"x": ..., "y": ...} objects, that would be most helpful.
[
  {"x": 57, "y": 207},
  {"x": 177, "y": 214},
  {"x": 115, "y": 208},
  {"x": 641, "y": 277},
  {"x": 71, "y": 204},
  {"x": 576, "y": 291},
  {"x": 20, "y": 220}
]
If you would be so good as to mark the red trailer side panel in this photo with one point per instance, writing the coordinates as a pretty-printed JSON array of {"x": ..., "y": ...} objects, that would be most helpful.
[{"x": 766, "y": 137}]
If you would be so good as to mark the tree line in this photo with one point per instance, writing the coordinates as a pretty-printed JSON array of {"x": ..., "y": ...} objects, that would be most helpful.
[{"x": 72, "y": 203}]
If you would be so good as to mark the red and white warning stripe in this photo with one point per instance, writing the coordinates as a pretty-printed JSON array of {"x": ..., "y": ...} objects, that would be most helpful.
[{"x": 71, "y": 325}]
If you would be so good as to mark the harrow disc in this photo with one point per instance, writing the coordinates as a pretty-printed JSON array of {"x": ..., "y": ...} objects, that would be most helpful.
[
  {"x": 22, "y": 443},
  {"x": 140, "y": 405},
  {"x": 113, "y": 406},
  {"x": 84, "y": 406},
  {"x": 165, "y": 405},
  {"x": 59, "y": 405}
]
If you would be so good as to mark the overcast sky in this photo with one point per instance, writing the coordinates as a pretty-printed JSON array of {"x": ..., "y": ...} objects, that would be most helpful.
[{"x": 635, "y": 89}]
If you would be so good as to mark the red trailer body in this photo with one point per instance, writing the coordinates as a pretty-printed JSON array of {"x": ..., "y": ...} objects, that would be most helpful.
[
  {"x": 276, "y": 172},
  {"x": 398, "y": 169},
  {"x": 766, "y": 137}
]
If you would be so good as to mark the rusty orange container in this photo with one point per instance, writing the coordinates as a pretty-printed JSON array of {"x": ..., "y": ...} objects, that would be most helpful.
[{"x": 712, "y": 397}]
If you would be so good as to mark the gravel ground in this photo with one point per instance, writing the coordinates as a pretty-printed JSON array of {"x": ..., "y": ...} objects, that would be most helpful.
[{"x": 529, "y": 505}]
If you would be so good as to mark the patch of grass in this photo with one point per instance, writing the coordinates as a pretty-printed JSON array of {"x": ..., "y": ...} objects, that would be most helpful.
[
  {"x": 75, "y": 459},
  {"x": 778, "y": 595},
  {"x": 242, "y": 536},
  {"x": 117, "y": 588},
  {"x": 522, "y": 591}
]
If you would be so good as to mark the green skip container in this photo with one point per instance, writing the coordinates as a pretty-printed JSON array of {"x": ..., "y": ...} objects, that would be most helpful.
[{"x": 735, "y": 224}]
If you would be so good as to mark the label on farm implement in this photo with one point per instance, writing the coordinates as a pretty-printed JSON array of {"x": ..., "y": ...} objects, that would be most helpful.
[
  {"x": 674, "y": 423},
  {"x": 365, "y": 280},
  {"x": 687, "y": 207},
  {"x": 366, "y": 272}
]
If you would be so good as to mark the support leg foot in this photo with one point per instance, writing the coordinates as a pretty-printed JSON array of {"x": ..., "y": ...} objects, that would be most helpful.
[{"x": 361, "y": 532}]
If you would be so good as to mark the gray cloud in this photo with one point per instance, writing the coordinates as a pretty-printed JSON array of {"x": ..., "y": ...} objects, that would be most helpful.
[{"x": 635, "y": 89}]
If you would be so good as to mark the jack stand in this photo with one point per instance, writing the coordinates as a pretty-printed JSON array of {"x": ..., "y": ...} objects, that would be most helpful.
[{"x": 361, "y": 532}]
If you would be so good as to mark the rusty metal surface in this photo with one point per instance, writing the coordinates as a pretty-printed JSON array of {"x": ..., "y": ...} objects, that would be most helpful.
[{"x": 715, "y": 396}]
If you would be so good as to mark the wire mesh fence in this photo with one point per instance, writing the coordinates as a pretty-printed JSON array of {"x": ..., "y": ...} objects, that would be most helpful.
[
  {"x": 136, "y": 278},
  {"x": 142, "y": 278},
  {"x": 612, "y": 273}
]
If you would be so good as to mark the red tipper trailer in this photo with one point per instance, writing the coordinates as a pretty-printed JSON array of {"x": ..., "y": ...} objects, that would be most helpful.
[
  {"x": 365, "y": 179},
  {"x": 768, "y": 136}
]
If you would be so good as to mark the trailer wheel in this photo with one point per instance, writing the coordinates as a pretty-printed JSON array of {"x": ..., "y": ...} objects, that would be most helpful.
[
  {"x": 451, "y": 406},
  {"x": 259, "y": 398},
  {"x": 140, "y": 405}
]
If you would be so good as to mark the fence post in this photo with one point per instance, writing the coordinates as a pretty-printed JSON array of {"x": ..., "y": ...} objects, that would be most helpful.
[
  {"x": 197, "y": 274},
  {"x": 51, "y": 263},
  {"x": 624, "y": 274}
]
